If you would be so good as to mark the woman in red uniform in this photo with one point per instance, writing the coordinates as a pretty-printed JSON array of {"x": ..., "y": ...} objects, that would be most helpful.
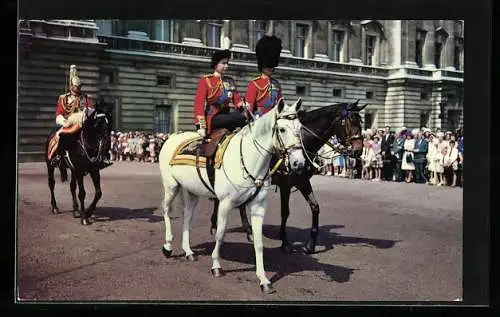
[{"x": 214, "y": 94}]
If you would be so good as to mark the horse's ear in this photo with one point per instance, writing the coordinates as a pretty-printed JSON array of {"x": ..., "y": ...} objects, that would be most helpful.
[
  {"x": 354, "y": 106},
  {"x": 298, "y": 104},
  {"x": 362, "y": 107},
  {"x": 281, "y": 105}
]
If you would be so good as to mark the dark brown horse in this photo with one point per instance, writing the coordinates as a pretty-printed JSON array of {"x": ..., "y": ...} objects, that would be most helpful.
[
  {"x": 85, "y": 148},
  {"x": 342, "y": 120}
]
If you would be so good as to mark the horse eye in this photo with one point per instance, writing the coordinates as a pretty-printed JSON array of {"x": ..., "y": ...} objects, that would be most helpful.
[{"x": 282, "y": 130}]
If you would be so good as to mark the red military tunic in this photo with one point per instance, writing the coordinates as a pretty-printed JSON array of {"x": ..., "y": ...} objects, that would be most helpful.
[
  {"x": 263, "y": 93},
  {"x": 213, "y": 95},
  {"x": 66, "y": 109}
]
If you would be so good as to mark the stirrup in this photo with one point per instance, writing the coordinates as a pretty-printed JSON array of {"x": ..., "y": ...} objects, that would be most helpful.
[{"x": 56, "y": 160}]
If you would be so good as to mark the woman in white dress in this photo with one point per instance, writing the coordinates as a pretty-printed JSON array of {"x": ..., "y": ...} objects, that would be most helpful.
[
  {"x": 407, "y": 164},
  {"x": 432, "y": 163},
  {"x": 451, "y": 162}
]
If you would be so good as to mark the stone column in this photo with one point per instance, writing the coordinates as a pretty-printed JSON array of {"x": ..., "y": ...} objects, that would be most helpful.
[
  {"x": 320, "y": 40},
  {"x": 449, "y": 47},
  {"x": 409, "y": 31},
  {"x": 355, "y": 44},
  {"x": 429, "y": 44},
  {"x": 282, "y": 30},
  {"x": 191, "y": 32},
  {"x": 240, "y": 35}
]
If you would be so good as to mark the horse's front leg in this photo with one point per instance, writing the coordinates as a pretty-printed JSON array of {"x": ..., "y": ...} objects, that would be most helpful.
[
  {"x": 285, "y": 212},
  {"x": 258, "y": 210},
  {"x": 81, "y": 195},
  {"x": 306, "y": 190},
  {"x": 224, "y": 207},
  {"x": 96, "y": 180},
  {"x": 52, "y": 184},
  {"x": 72, "y": 187}
]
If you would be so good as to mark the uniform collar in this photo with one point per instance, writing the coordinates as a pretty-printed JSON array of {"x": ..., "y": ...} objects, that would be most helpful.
[{"x": 265, "y": 76}]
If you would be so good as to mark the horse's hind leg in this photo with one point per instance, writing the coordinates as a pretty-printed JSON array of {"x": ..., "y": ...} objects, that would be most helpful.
[
  {"x": 171, "y": 188},
  {"x": 306, "y": 190},
  {"x": 52, "y": 184},
  {"x": 72, "y": 187},
  {"x": 190, "y": 202},
  {"x": 245, "y": 224},
  {"x": 96, "y": 179},
  {"x": 213, "y": 219}
]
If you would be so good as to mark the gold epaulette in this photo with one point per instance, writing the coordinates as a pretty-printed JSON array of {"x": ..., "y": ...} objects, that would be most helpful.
[
  {"x": 208, "y": 75},
  {"x": 258, "y": 77}
]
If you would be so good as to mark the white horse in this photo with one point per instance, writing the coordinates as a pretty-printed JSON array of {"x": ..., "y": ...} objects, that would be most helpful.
[{"x": 244, "y": 170}]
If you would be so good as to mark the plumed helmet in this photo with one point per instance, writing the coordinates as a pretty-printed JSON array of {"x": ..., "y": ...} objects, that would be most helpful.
[
  {"x": 268, "y": 50},
  {"x": 218, "y": 55},
  {"x": 73, "y": 77}
]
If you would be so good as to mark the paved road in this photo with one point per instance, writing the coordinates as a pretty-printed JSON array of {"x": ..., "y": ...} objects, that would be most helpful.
[{"x": 378, "y": 241}]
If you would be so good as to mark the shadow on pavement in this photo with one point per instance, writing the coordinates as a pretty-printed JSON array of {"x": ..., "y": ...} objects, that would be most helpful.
[
  {"x": 275, "y": 261},
  {"x": 105, "y": 214}
]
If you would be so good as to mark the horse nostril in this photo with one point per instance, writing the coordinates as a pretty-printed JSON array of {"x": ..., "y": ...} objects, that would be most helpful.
[{"x": 295, "y": 164}]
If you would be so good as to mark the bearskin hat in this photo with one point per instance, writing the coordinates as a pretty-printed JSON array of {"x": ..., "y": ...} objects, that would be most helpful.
[
  {"x": 218, "y": 55},
  {"x": 268, "y": 51}
]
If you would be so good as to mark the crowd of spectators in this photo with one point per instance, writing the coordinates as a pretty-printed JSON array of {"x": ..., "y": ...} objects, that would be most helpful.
[
  {"x": 136, "y": 146},
  {"x": 421, "y": 155}
]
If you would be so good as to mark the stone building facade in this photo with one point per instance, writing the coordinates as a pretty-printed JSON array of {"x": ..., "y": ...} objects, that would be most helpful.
[{"x": 410, "y": 72}]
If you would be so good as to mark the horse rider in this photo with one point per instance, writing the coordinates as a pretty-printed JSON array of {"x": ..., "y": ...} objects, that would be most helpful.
[
  {"x": 264, "y": 92},
  {"x": 70, "y": 113},
  {"x": 214, "y": 93}
]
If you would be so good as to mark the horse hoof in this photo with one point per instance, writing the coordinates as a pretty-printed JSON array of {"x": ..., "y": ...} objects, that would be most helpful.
[
  {"x": 286, "y": 248},
  {"x": 55, "y": 210},
  {"x": 309, "y": 248},
  {"x": 85, "y": 221},
  {"x": 212, "y": 230},
  {"x": 191, "y": 258},
  {"x": 166, "y": 253},
  {"x": 218, "y": 272},
  {"x": 250, "y": 237},
  {"x": 267, "y": 288},
  {"x": 76, "y": 214}
]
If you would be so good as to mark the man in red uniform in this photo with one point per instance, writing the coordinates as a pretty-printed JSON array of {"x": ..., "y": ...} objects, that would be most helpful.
[
  {"x": 69, "y": 116},
  {"x": 214, "y": 94},
  {"x": 264, "y": 91}
]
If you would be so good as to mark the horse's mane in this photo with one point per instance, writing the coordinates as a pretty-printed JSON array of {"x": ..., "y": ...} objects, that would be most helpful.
[{"x": 320, "y": 113}]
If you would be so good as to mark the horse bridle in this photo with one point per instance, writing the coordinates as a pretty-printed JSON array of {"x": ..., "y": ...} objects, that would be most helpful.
[
  {"x": 282, "y": 151},
  {"x": 345, "y": 113},
  {"x": 100, "y": 145}
]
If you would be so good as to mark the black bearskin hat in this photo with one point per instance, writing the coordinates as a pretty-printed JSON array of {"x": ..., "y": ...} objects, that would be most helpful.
[
  {"x": 268, "y": 51},
  {"x": 218, "y": 55}
]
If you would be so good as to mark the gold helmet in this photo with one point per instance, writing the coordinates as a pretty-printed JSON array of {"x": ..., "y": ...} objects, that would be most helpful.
[{"x": 74, "y": 80}]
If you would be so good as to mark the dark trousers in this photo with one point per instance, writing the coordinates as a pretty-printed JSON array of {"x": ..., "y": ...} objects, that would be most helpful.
[
  {"x": 229, "y": 121},
  {"x": 419, "y": 172},
  {"x": 398, "y": 173}
]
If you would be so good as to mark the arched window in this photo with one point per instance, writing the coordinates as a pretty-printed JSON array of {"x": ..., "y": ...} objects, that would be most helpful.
[{"x": 372, "y": 36}]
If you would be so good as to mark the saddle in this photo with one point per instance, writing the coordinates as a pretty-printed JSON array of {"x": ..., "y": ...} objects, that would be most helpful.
[{"x": 204, "y": 153}]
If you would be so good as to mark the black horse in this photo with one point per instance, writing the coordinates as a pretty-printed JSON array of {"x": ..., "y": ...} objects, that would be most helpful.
[
  {"x": 85, "y": 149},
  {"x": 342, "y": 120}
]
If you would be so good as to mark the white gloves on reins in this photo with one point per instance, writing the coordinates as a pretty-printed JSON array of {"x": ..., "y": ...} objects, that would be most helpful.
[{"x": 202, "y": 132}]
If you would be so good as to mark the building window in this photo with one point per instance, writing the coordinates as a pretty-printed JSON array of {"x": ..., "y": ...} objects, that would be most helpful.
[
  {"x": 369, "y": 95},
  {"x": 260, "y": 29},
  {"x": 337, "y": 40},
  {"x": 301, "y": 90},
  {"x": 457, "y": 53},
  {"x": 337, "y": 92},
  {"x": 370, "y": 49},
  {"x": 162, "y": 30},
  {"x": 368, "y": 121},
  {"x": 162, "y": 118},
  {"x": 214, "y": 29},
  {"x": 424, "y": 119},
  {"x": 163, "y": 80},
  {"x": 424, "y": 94},
  {"x": 300, "y": 40},
  {"x": 419, "y": 45},
  {"x": 438, "y": 49},
  {"x": 107, "y": 77}
]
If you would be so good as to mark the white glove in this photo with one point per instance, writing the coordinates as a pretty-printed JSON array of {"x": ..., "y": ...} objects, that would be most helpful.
[
  {"x": 60, "y": 120},
  {"x": 247, "y": 105},
  {"x": 201, "y": 132}
]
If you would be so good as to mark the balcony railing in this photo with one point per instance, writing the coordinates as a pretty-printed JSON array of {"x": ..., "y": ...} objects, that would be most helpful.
[{"x": 169, "y": 48}]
